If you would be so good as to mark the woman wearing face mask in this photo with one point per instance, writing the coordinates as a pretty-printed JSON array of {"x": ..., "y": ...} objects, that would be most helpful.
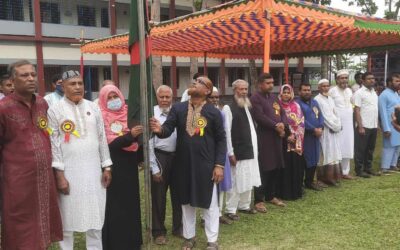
[
  {"x": 292, "y": 184},
  {"x": 122, "y": 225}
]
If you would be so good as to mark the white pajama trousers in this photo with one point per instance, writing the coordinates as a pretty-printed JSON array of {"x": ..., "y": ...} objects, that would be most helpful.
[
  {"x": 345, "y": 163},
  {"x": 236, "y": 200},
  {"x": 93, "y": 240},
  {"x": 210, "y": 216}
]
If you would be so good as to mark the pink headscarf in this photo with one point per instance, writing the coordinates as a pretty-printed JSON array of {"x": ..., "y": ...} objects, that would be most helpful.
[
  {"x": 295, "y": 118},
  {"x": 114, "y": 117}
]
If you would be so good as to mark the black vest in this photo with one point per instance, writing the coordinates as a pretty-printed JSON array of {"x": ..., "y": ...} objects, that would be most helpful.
[{"x": 240, "y": 133}]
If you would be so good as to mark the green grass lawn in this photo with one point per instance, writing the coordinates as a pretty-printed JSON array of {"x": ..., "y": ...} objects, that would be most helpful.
[{"x": 360, "y": 214}]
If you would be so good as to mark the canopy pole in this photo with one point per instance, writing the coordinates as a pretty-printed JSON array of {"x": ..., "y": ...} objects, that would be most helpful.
[
  {"x": 286, "y": 69},
  {"x": 174, "y": 77},
  {"x": 369, "y": 62},
  {"x": 267, "y": 5},
  {"x": 205, "y": 64},
  {"x": 386, "y": 66},
  {"x": 222, "y": 77},
  {"x": 145, "y": 121}
]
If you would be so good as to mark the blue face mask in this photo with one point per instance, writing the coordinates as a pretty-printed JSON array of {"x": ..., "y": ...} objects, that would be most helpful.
[
  {"x": 114, "y": 104},
  {"x": 59, "y": 89}
]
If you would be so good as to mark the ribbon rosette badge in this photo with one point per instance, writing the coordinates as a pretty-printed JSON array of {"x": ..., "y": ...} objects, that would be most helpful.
[
  {"x": 43, "y": 125},
  {"x": 315, "y": 109},
  {"x": 116, "y": 128},
  {"x": 69, "y": 128},
  {"x": 201, "y": 123},
  {"x": 277, "y": 108}
]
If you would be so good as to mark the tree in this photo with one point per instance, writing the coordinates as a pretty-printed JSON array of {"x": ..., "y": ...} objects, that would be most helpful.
[
  {"x": 368, "y": 7},
  {"x": 393, "y": 9}
]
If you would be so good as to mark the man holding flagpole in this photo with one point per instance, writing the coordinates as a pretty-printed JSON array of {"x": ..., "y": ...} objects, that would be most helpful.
[{"x": 200, "y": 152}]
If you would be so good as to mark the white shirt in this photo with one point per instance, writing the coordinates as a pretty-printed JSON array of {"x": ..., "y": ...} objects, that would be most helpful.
[
  {"x": 342, "y": 97},
  {"x": 52, "y": 98},
  {"x": 81, "y": 158},
  {"x": 185, "y": 96},
  {"x": 2, "y": 96},
  {"x": 166, "y": 144},
  {"x": 367, "y": 101}
]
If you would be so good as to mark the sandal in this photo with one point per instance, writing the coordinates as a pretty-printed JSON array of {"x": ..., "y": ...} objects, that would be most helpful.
[
  {"x": 233, "y": 217},
  {"x": 260, "y": 207},
  {"x": 212, "y": 246},
  {"x": 189, "y": 244},
  {"x": 275, "y": 201},
  {"x": 248, "y": 211},
  {"x": 161, "y": 240}
]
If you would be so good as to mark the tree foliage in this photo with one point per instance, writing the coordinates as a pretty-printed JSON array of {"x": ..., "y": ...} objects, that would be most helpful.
[
  {"x": 368, "y": 7},
  {"x": 393, "y": 9},
  {"x": 322, "y": 2}
]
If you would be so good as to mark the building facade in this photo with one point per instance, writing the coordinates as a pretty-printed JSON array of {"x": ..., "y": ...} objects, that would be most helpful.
[{"x": 48, "y": 32}]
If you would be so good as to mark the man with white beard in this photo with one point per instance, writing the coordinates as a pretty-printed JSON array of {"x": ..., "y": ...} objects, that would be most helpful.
[
  {"x": 242, "y": 151},
  {"x": 162, "y": 155}
]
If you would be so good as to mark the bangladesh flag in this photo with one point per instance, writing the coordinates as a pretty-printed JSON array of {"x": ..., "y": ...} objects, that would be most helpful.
[{"x": 134, "y": 86}]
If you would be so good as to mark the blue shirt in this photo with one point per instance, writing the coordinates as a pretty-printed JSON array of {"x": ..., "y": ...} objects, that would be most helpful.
[
  {"x": 312, "y": 119},
  {"x": 387, "y": 101}
]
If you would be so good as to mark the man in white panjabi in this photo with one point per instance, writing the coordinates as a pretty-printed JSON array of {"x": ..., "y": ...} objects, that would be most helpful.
[
  {"x": 342, "y": 96},
  {"x": 242, "y": 151},
  {"x": 82, "y": 163},
  {"x": 328, "y": 170}
]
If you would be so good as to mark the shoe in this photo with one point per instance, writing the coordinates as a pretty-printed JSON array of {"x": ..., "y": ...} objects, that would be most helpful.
[
  {"x": 212, "y": 246},
  {"x": 364, "y": 175},
  {"x": 347, "y": 177},
  {"x": 314, "y": 187},
  {"x": 225, "y": 220},
  {"x": 233, "y": 217},
  {"x": 189, "y": 244},
  {"x": 247, "y": 211},
  {"x": 386, "y": 172},
  {"x": 275, "y": 201},
  {"x": 160, "y": 240},
  {"x": 321, "y": 184},
  {"x": 260, "y": 207},
  {"x": 370, "y": 172}
]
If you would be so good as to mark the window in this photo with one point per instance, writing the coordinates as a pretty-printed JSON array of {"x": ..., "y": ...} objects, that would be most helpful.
[
  {"x": 12, "y": 10},
  {"x": 49, "y": 72},
  {"x": 107, "y": 73},
  {"x": 104, "y": 18},
  {"x": 49, "y": 12},
  {"x": 234, "y": 74},
  {"x": 86, "y": 16},
  {"x": 167, "y": 76}
]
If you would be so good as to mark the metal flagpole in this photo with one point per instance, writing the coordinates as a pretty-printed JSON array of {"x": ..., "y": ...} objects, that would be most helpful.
[
  {"x": 144, "y": 119},
  {"x": 386, "y": 66}
]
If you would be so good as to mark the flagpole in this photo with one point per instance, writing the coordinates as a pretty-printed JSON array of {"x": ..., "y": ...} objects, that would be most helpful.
[{"x": 144, "y": 119}]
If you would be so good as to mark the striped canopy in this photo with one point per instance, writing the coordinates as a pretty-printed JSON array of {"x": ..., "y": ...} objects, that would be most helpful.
[{"x": 251, "y": 29}]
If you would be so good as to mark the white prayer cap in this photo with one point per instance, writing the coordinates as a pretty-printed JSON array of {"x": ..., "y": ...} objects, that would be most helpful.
[
  {"x": 323, "y": 81},
  {"x": 70, "y": 74},
  {"x": 215, "y": 89},
  {"x": 342, "y": 72}
]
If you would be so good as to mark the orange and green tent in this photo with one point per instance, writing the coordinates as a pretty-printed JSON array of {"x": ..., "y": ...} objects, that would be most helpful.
[{"x": 262, "y": 29}]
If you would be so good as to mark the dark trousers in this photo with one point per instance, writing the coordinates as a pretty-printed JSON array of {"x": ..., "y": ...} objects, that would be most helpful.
[
  {"x": 159, "y": 197},
  {"x": 309, "y": 176},
  {"x": 364, "y": 149},
  {"x": 267, "y": 190}
]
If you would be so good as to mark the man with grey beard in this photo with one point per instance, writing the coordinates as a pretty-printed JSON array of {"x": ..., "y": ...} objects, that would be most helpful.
[
  {"x": 162, "y": 155},
  {"x": 242, "y": 151}
]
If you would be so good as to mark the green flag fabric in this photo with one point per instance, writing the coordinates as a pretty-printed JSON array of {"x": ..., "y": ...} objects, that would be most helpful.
[{"x": 134, "y": 85}]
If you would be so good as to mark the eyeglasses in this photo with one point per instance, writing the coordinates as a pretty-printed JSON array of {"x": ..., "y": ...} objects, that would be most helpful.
[{"x": 198, "y": 80}]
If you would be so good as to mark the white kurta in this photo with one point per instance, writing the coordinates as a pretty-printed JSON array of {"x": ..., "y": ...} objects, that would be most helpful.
[
  {"x": 247, "y": 174},
  {"x": 332, "y": 125},
  {"x": 81, "y": 159},
  {"x": 344, "y": 108}
]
